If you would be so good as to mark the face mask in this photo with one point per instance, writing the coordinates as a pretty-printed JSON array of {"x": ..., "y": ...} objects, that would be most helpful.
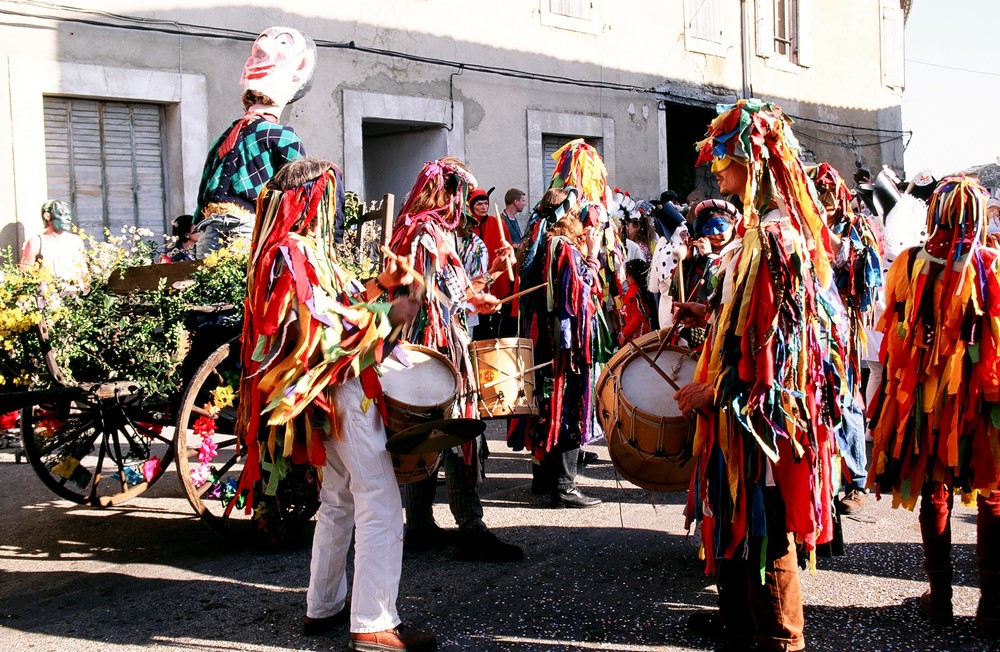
[{"x": 61, "y": 220}]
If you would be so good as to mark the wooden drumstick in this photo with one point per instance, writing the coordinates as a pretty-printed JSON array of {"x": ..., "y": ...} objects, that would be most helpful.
[
  {"x": 503, "y": 239},
  {"x": 522, "y": 293},
  {"x": 417, "y": 277},
  {"x": 663, "y": 374},
  {"x": 652, "y": 363},
  {"x": 673, "y": 327}
]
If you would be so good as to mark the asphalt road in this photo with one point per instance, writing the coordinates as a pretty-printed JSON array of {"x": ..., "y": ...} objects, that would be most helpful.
[{"x": 622, "y": 576}]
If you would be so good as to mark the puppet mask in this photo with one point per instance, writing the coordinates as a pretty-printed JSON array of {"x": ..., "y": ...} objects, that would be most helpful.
[
  {"x": 60, "y": 216},
  {"x": 281, "y": 65}
]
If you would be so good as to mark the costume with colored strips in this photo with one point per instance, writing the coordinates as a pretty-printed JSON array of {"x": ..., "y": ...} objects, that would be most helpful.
[
  {"x": 307, "y": 328},
  {"x": 939, "y": 413},
  {"x": 937, "y": 422},
  {"x": 767, "y": 350}
]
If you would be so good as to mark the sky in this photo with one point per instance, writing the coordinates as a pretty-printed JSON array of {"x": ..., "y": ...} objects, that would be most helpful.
[{"x": 953, "y": 111}]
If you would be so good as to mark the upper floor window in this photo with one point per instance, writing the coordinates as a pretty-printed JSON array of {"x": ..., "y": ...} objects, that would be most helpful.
[
  {"x": 576, "y": 15},
  {"x": 784, "y": 31},
  {"x": 703, "y": 21}
]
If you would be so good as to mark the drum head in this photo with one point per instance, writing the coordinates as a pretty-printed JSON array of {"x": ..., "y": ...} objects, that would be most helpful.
[
  {"x": 425, "y": 379},
  {"x": 648, "y": 391},
  {"x": 435, "y": 436}
]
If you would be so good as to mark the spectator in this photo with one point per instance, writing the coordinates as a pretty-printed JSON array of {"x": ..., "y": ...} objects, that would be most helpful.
[{"x": 57, "y": 249}]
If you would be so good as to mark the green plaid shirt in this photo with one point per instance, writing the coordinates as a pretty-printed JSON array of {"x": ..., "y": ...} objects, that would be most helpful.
[{"x": 261, "y": 148}]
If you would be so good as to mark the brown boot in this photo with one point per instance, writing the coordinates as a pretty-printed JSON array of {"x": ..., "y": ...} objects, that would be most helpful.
[
  {"x": 988, "y": 612},
  {"x": 935, "y": 604}
]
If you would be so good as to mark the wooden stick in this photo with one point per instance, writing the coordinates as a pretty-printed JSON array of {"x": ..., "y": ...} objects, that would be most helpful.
[
  {"x": 652, "y": 363},
  {"x": 673, "y": 327},
  {"x": 522, "y": 293},
  {"x": 503, "y": 239},
  {"x": 663, "y": 374},
  {"x": 417, "y": 277}
]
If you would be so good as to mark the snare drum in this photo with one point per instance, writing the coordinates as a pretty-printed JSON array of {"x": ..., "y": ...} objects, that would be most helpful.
[
  {"x": 648, "y": 437},
  {"x": 426, "y": 390},
  {"x": 503, "y": 369}
]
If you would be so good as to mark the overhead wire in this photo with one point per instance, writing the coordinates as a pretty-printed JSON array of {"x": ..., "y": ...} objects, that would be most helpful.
[{"x": 138, "y": 23}]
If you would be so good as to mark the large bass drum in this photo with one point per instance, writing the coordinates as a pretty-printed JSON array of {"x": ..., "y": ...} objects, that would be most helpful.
[{"x": 649, "y": 440}]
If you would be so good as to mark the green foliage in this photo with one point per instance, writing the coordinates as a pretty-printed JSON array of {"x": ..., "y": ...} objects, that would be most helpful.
[{"x": 99, "y": 335}]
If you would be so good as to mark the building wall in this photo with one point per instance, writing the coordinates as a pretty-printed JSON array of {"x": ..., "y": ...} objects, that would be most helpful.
[{"x": 609, "y": 64}]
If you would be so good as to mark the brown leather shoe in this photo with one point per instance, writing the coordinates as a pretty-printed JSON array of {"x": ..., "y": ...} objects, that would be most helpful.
[
  {"x": 400, "y": 637},
  {"x": 853, "y": 502}
]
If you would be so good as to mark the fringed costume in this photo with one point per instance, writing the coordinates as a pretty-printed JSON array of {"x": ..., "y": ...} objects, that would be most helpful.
[
  {"x": 425, "y": 228},
  {"x": 937, "y": 423},
  {"x": 307, "y": 328},
  {"x": 763, "y": 480}
]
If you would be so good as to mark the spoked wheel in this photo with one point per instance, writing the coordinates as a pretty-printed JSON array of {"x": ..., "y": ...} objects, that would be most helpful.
[
  {"x": 210, "y": 461},
  {"x": 99, "y": 446}
]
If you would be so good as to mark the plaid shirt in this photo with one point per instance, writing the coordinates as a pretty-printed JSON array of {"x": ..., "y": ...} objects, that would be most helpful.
[{"x": 261, "y": 148}]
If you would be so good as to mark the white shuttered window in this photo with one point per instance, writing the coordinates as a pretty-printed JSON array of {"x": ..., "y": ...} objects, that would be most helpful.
[
  {"x": 703, "y": 26},
  {"x": 106, "y": 160}
]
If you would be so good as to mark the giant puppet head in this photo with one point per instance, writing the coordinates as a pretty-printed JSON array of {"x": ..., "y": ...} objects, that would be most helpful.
[
  {"x": 58, "y": 214},
  {"x": 280, "y": 68}
]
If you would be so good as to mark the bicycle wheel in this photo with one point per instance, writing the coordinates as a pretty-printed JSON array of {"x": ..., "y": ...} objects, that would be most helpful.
[
  {"x": 210, "y": 462},
  {"x": 100, "y": 446}
]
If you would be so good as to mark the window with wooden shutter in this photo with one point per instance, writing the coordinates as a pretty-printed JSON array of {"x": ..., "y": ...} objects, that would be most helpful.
[
  {"x": 575, "y": 15},
  {"x": 106, "y": 160},
  {"x": 892, "y": 45},
  {"x": 703, "y": 21},
  {"x": 551, "y": 144}
]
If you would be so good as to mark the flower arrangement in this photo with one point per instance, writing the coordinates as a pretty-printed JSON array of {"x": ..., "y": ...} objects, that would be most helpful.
[{"x": 98, "y": 334}]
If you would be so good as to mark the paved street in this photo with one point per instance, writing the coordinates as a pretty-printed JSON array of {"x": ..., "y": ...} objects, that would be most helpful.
[{"x": 618, "y": 577}]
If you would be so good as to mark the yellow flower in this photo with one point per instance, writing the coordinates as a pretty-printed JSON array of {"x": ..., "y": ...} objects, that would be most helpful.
[{"x": 223, "y": 397}]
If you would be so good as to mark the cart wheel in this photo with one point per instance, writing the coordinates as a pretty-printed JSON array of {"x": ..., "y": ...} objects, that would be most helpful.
[
  {"x": 210, "y": 462},
  {"x": 97, "y": 451}
]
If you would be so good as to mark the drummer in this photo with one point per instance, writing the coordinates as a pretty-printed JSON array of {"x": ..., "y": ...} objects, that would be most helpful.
[
  {"x": 311, "y": 341},
  {"x": 426, "y": 229},
  {"x": 763, "y": 418}
]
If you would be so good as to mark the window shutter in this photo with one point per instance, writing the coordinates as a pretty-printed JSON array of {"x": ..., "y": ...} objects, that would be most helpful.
[
  {"x": 703, "y": 19},
  {"x": 106, "y": 160},
  {"x": 804, "y": 44},
  {"x": 892, "y": 46},
  {"x": 765, "y": 28},
  {"x": 581, "y": 9}
]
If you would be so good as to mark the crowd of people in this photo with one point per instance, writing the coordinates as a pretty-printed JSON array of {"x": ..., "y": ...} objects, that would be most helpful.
[{"x": 784, "y": 286}]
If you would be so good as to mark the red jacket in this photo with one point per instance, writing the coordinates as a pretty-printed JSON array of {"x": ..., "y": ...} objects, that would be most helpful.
[{"x": 489, "y": 230}]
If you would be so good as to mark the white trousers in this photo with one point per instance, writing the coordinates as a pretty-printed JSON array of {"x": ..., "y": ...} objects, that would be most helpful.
[{"x": 359, "y": 490}]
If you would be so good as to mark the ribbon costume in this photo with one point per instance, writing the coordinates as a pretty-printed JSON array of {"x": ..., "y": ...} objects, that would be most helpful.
[
  {"x": 307, "y": 327},
  {"x": 426, "y": 229},
  {"x": 937, "y": 422},
  {"x": 762, "y": 481},
  {"x": 562, "y": 324}
]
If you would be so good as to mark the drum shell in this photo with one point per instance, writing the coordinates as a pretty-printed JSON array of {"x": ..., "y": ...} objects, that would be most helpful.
[
  {"x": 401, "y": 415},
  {"x": 504, "y": 390},
  {"x": 414, "y": 468},
  {"x": 649, "y": 450}
]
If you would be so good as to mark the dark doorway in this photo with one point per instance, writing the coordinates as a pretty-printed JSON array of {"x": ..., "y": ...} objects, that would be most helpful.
[{"x": 686, "y": 125}]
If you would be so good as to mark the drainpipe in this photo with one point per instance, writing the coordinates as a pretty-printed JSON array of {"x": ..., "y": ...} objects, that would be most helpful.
[{"x": 745, "y": 45}]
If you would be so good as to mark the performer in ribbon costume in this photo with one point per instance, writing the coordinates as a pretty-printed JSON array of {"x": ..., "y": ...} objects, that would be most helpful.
[
  {"x": 762, "y": 483},
  {"x": 937, "y": 422}
]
